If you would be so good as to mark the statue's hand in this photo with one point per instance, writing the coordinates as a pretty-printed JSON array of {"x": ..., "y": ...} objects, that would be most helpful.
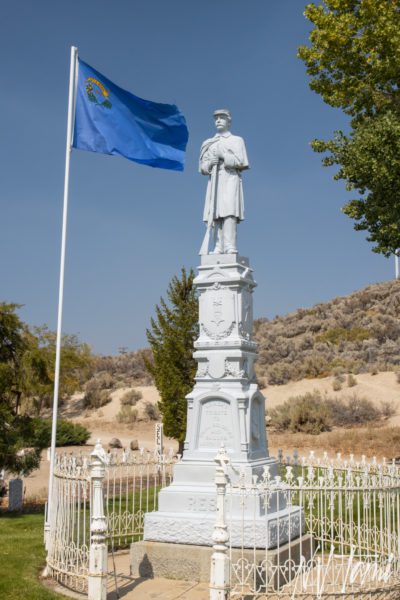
[{"x": 214, "y": 160}]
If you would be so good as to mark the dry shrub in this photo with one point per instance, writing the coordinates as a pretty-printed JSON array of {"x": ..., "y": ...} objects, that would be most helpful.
[
  {"x": 398, "y": 376},
  {"x": 351, "y": 380},
  {"x": 336, "y": 385},
  {"x": 308, "y": 414},
  {"x": 96, "y": 393},
  {"x": 127, "y": 415},
  {"x": 127, "y": 369},
  {"x": 315, "y": 365},
  {"x": 131, "y": 397},
  {"x": 352, "y": 332},
  {"x": 337, "y": 335},
  {"x": 353, "y": 410},
  {"x": 314, "y": 413},
  {"x": 279, "y": 374},
  {"x": 151, "y": 411},
  {"x": 388, "y": 409},
  {"x": 373, "y": 441},
  {"x": 104, "y": 381},
  {"x": 262, "y": 383},
  {"x": 338, "y": 373}
]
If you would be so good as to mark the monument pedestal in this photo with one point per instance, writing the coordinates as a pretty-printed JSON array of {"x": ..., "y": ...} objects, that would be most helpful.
[
  {"x": 225, "y": 407},
  {"x": 192, "y": 563}
]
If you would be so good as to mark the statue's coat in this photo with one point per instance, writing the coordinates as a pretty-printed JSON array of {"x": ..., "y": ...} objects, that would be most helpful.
[{"x": 229, "y": 189}]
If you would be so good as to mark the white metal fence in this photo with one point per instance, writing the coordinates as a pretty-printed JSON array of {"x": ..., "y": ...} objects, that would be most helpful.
[
  {"x": 331, "y": 527},
  {"x": 128, "y": 488},
  {"x": 350, "y": 518}
]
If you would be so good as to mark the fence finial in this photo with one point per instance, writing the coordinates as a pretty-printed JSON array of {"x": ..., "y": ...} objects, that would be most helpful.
[{"x": 99, "y": 451}]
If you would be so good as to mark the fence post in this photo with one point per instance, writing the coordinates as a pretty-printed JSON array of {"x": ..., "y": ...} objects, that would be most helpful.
[
  {"x": 97, "y": 576},
  {"x": 220, "y": 576}
]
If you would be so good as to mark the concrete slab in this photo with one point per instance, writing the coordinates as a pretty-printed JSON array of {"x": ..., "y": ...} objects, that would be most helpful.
[
  {"x": 137, "y": 588},
  {"x": 188, "y": 562},
  {"x": 161, "y": 589}
]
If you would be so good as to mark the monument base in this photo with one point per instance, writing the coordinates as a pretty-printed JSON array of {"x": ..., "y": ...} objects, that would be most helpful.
[
  {"x": 192, "y": 563},
  {"x": 265, "y": 532}
]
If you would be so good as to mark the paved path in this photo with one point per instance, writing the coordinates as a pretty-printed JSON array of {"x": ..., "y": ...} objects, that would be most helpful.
[
  {"x": 159, "y": 589},
  {"x": 131, "y": 588}
]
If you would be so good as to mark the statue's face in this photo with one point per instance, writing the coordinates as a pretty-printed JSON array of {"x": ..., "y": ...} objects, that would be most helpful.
[{"x": 222, "y": 123}]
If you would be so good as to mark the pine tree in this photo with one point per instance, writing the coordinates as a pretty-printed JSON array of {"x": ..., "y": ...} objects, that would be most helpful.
[{"x": 171, "y": 337}]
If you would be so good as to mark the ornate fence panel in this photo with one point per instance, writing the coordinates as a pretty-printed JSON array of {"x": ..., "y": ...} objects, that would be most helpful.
[
  {"x": 69, "y": 539},
  {"x": 350, "y": 519},
  {"x": 131, "y": 489},
  {"x": 131, "y": 484}
]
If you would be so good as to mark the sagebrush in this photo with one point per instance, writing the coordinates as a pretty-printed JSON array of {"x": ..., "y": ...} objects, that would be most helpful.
[
  {"x": 127, "y": 415},
  {"x": 96, "y": 394},
  {"x": 314, "y": 413},
  {"x": 358, "y": 333},
  {"x": 131, "y": 397}
]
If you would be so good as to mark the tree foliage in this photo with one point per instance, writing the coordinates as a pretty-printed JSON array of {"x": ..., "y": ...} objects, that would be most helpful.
[
  {"x": 171, "y": 337},
  {"x": 68, "y": 433},
  {"x": 26, "y": 383},
  {"x": 39, "y": 365},
  {"x": 354, "y": 64},
  {"x": 16, "y": 430}
]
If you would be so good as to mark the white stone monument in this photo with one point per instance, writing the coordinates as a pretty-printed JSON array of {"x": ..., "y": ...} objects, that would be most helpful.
[{"x": 226, "y": 405}]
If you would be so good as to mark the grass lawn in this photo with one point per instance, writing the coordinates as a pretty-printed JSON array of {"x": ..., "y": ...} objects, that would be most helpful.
[{"x": 22, "y": 557}]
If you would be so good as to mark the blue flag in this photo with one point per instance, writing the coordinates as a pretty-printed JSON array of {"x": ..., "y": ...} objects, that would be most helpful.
[{"x": 111, "y": 120}]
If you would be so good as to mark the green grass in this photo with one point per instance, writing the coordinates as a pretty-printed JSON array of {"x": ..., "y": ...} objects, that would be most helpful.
[
  {"x": 131, "y": 502},
  {"x": 22, "y": 557}
]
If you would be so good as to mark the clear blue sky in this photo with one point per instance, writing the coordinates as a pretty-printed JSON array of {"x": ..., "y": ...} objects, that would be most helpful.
[{"x": 132, "y": 227}]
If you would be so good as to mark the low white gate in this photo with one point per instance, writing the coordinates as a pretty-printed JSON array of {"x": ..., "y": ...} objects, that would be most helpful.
[{"x": 128, "y": 484}]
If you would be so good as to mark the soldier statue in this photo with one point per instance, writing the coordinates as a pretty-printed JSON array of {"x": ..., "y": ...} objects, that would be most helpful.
[{"x": 223, "y": 158}]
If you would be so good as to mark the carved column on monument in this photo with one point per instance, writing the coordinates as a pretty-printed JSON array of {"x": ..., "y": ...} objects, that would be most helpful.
[{"x": 227, "y": 406}]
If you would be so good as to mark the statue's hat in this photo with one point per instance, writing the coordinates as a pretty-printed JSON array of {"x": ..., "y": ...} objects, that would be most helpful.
[{"x": 222, "y": 111}]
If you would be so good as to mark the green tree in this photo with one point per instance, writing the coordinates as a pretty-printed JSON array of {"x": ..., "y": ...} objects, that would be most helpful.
[
  {"x": 26, "y": 383},
  {"x": 354, "y": 64},
  {"x": 171, "y": 337},
  {"x": 16, "y": 430},
  {"x": 76, "y": 362}
]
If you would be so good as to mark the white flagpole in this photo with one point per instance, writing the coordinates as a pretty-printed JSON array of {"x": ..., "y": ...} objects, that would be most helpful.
[{"x": 70, "y": 125}]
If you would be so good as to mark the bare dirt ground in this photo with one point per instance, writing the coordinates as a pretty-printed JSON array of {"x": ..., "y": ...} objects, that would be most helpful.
[
  {"x": 380, "y": 440},
  {"x": 382, "y": 387}
]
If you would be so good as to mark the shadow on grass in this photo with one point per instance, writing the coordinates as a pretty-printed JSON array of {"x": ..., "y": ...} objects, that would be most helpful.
[{"x": 22, "y": 557}]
